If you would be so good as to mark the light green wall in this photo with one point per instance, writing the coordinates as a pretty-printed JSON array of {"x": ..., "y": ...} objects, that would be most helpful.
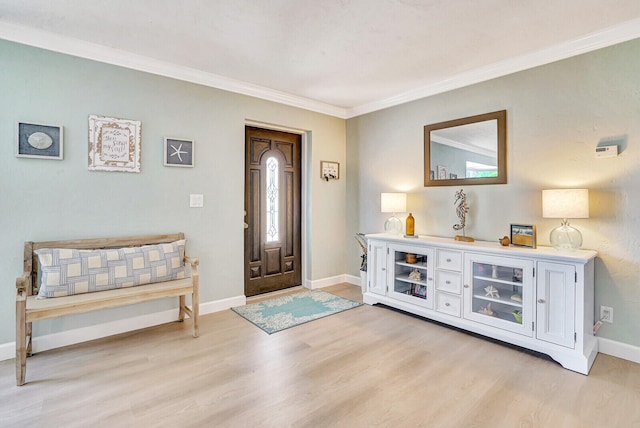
[
  {"x": 50, "y": 200},
  {"x": 556, "y": 115}
]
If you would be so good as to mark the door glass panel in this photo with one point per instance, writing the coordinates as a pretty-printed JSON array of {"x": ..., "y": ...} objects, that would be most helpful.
[{"x": 272, "y": 200}]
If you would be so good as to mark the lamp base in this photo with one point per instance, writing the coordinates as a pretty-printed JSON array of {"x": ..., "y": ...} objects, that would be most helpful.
[
  {"x": 565, "y": 237},
  {"x": 393, "y": 225}
]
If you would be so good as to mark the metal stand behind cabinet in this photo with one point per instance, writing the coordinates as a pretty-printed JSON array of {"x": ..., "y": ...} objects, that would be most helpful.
[{"x": 539, "y": 299}]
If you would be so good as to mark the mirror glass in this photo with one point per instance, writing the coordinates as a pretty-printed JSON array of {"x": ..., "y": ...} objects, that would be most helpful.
[{"x": 471, "y": 150}]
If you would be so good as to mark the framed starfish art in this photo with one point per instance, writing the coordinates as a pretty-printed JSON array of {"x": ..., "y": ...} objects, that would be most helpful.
[{"x": 178, "y": 152}]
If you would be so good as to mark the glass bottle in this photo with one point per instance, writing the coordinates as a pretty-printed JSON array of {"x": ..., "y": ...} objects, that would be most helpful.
[{"x": 410, "y": 225}]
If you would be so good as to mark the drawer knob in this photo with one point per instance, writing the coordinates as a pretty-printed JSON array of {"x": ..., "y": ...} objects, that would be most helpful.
[
  {"x": 466, "y": 286},
  {"x": 447, "y": 304},
  {"x": 384, "y": 269},
  {"x": 448, "y": 260},
  {"x": 447, "y": 282},
  {"x": 540, "y": 300}
]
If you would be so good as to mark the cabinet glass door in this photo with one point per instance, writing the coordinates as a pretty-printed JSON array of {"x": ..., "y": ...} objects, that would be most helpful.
[
  {"x": 498, "y": 292},
  {"x": 411, "y": 274}
]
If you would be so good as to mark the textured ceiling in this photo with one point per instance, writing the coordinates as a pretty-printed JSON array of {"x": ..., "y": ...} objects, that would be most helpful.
[{"x": 342, "y": 53}]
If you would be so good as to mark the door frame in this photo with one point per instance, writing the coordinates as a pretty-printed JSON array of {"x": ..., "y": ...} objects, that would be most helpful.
[{"x": 305, "y": 191}]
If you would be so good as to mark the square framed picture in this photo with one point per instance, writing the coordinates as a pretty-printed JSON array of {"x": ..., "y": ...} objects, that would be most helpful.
[
  {"x": 39, "y": 141},
  {"x": 178, "y": 152},
  {"x": 443, "y": 173},
  {"x": 523, "y": 235},
  {"x": 114, "y": 144},
  {"x": 329, "y": 170}
]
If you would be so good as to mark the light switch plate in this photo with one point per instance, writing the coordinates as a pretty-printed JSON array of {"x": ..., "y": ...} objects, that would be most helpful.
[{"x": 196, "y": 201}]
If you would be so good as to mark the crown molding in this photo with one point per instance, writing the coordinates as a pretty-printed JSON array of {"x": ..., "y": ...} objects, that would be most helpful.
[
  {"x": 626, "y": 31},
  {"x": 79, "y": 48},
  {"x": 600, "y": 39}
]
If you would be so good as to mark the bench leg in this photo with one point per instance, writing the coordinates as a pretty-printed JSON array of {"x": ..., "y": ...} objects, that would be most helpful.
[
  {"x": 195, "y": 309},
  {"x": 195, "y": 305},
  {"x": 182, "y": 304},
  {"x": 29, "y": 339},
  {"x": 21, "y": 342}
]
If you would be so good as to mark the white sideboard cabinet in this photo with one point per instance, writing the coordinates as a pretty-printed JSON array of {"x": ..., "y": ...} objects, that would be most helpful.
[{"x": 540, "y": 299}]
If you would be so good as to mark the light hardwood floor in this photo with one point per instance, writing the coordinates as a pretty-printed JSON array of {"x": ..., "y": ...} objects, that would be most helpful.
[{"x": 369, "y": 366}]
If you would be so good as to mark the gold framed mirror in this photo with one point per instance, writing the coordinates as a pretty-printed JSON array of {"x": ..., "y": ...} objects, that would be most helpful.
[{"x": 467, "y": 151}]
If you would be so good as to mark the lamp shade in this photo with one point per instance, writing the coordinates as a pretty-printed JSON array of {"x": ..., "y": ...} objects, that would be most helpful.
[
  {"x": 565, "y": 203},
  {"x": 393, "y": 202}
]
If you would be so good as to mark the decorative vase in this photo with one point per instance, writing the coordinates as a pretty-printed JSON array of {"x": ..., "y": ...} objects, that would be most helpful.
[{"x": 410, "y": 225}]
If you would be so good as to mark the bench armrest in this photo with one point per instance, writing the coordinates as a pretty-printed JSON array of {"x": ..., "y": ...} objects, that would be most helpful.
[
  {"x": 194, "y": 262},
  {"x": 22, "y": 284}
]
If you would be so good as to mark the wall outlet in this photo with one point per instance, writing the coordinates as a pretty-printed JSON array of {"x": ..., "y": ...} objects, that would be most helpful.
[{"x": 606, "y": 314}]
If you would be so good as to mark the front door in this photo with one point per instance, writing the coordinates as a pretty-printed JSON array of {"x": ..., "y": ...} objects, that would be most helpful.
[{"x": 272, "y": 205}]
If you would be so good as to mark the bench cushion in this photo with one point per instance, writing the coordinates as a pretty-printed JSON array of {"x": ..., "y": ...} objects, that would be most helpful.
[{"x": 64, "y": 272}]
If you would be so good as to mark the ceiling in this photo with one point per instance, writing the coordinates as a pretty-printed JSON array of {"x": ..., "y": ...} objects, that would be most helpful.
[{"x": 339, "y": 57}]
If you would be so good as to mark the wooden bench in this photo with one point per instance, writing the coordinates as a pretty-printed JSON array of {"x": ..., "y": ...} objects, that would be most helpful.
[{"x": 30, "y": 309}]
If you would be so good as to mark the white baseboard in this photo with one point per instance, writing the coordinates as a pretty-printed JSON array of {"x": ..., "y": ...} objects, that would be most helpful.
[
  {"x": 7, "y": 351},
  {"x": 332, "y": 280},
  {"x": 619, "y": 349},
  {"x": 352, "y": 279},
  {"x": 324, "y": 282},
  {"x": 84, "y": 334}
]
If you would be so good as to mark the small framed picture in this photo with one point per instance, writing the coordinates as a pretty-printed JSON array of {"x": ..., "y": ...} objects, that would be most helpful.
[
  {"x": 39, "y": 141},
  {"x": 523, "y": 235},
  {"x": 329, "y": 170},
  {"x": 443, "y": 174},
  {"x": 114, "y": 144},
  {"x": 178, "y": 152}
]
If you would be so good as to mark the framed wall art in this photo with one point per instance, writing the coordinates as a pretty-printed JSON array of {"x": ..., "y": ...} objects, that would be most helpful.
[
  {"x": 443, "y": 173},
  {"x": 39, "y": 141},
  {"x": 523, "y": 235},
  {"x": 178, "y": 152},
  {"x": 114, "y": 144},
  {"x": 329, "y": 170}
]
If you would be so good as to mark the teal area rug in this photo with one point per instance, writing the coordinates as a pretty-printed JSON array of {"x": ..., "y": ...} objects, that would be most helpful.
[{"x": 284, "y": 312}]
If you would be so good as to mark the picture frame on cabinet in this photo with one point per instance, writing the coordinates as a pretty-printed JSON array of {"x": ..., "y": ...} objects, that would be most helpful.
[
  {"x": 39, "y": 141},
  {"x": 523, "y": 235},
  {"x": 179, "y": 152}
]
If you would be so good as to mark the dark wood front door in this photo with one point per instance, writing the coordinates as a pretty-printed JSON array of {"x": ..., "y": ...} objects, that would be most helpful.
[{"x": 272, "y": 204}]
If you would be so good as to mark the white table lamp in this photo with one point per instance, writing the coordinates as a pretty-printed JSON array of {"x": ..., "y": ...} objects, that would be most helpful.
[
  {"x": 393, "y": 203},
  {"x": 565, "y": 204}
]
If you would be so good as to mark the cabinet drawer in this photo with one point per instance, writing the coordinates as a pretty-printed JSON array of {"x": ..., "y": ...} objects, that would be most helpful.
[
  {"x": 448, "y": 304},
  {"x": 451, "y": 260},
  {"x": 449, "y": 281}
]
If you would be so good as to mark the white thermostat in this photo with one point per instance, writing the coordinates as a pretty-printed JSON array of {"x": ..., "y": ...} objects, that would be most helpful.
[
  {"x": 196, "y": 201},
  {"x": 606, "y": 151}
]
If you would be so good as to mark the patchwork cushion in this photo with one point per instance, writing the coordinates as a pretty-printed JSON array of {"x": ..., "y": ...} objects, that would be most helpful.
[{"x": 64, "y": 272}]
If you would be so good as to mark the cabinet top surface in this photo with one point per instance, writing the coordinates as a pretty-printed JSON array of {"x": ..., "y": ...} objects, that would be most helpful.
[{"x": 577, "y": 256}]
